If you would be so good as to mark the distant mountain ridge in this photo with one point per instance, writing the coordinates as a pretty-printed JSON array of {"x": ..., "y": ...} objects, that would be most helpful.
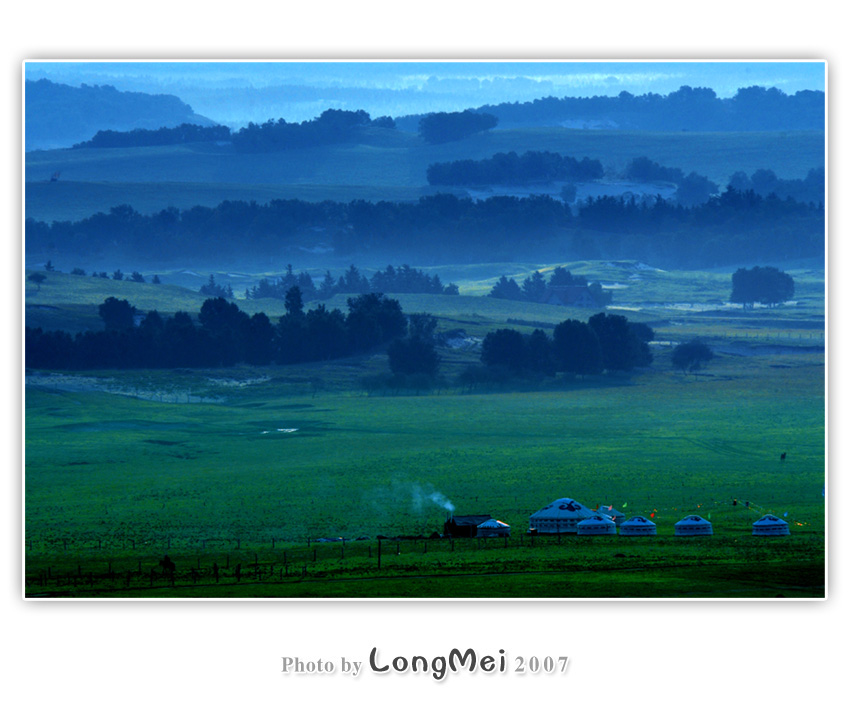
[{"x": 58, "y": 115}]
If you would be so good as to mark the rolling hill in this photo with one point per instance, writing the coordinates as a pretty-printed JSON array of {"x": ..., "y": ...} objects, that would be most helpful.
[{"x": 390, "y": 165}]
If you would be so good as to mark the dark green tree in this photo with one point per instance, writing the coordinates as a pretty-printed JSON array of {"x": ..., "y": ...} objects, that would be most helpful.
[
  {"x": 622, "y": 347},
  {"x": 576, "y": 348},
  {"x": 38, "y": 279},
  {"x": 116, "y": 314},
  {"x": 539, "y": 355},
  {"x": 761, "y": 284},
  {"x": 534, "y": 287},
  {"x": 413, "y": 355},
  {"x": 294, "y": 303},
  {"x": 504, "y": 348},
  {"x": 691, "y": 356},
  {"x": 506, "y": 289}
]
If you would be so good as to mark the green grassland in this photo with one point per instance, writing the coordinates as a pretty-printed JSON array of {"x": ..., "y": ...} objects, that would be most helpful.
[
  {"x": 385, "y": 166},
  {"x": 681, "y": 301},
  {"x": 245, "y": 465}
]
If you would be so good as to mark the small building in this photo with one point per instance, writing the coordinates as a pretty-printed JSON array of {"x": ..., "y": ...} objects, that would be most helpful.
[
  {"x": 638, "y": 527},
  {"x": 494, "y": 528},
  {"x": 693, "y": 526},
  {"x": 771, "y": 526},
  {"x": 560, "y": 516},
  {"x": 464, "y": 525},
  {"x": 609, "y": 511},
  {"x": 597, "y": 525}
]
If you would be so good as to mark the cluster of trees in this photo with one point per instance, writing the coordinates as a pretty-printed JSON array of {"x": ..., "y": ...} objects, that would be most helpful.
[
  {"x": 733, "y": 226},
  {"x": 401, "y": 279},
  {"x": 535, "y": 287},
  {"x": 761, "y": 284},
  {"x": 117, "y": 275},
  {"x": 688, "y": 108},
  {"x": 811, "y": 189},
  {"x": 215, "y": 290},
  {"x": 332, "y": 126},
  {"x": 222, "y": 336},
  {"x": 143, "y": 137},
  {"x": 691, "y": 189},
  {"x": 512, "y": 169},
  {"x": 604, "y": 343},
  {"x": 446, "y": 127}
]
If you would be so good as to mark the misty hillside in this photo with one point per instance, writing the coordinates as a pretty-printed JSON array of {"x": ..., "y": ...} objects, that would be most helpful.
[
  {"x": 754, "y": 108},
  {"x": 57, "y": 115}
]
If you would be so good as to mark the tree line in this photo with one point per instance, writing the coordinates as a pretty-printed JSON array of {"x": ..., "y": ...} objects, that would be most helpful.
[
  {"x": 752, "y": 108},
  {"x": 445, "y": 127},
  {"x": 220, "y": 335},
  {"x": 401, "y": 279},
  {"x": 512, "y": 169},
  {"x": 332, "y": 126},
  {"x": 811, "y": 189},
  {"x": 732, "y": 226},
  {"x": 142, "y": 137},
  {"x": 535, "y": 287},
  {"x": 605, "y": 343},
  {"x": 691, "y": 189}
]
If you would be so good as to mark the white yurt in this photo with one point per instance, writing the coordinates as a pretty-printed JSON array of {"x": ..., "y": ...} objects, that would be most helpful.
[
  {"x": 693, "y": 526},
  {"x": 638, "y": 527},
  {"x": 560, "y": 516},
  {"x": 494, "y": 528},
  {"x": 609, "y": 511},
  {"x": 770, "y": 526},
  {"x": 596, "y": 525}
]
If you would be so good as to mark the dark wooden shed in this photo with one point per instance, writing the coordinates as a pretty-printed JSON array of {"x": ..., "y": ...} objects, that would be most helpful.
[{"x": 464, "y": 525}]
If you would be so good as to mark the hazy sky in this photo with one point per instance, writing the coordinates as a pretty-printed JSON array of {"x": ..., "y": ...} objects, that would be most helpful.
[{"x": 399, "y": 88}]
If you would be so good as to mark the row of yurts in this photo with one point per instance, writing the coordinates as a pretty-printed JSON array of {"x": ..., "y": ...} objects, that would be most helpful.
[{"x": 566, "y": 516}]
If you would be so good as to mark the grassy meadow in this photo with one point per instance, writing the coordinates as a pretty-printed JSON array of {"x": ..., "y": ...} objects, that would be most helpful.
[{"x": 246, "y": 468}]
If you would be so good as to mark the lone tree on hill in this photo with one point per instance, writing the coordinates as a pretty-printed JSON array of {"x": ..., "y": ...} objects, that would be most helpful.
[
  {"x": 38, "y": 279},
  {"x": 766, "y": 285},
  {"x": 691, "y": 356}
]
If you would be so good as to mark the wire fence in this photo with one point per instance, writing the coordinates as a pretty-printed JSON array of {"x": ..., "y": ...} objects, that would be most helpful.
[{"x": 269, "y": 562}]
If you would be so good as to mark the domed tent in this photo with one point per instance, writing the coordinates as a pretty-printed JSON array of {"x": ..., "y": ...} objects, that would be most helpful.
[
  {"x": 770, "y": 526},
  {"x": 559, "y": 516},
  {"x": 596, "y": 525},
  {"x": 692, "y": 526},
  {"x": 494, "y": 528},
  {"x": 638, "y": 527},
  {"x": 609, "y": 511}
]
